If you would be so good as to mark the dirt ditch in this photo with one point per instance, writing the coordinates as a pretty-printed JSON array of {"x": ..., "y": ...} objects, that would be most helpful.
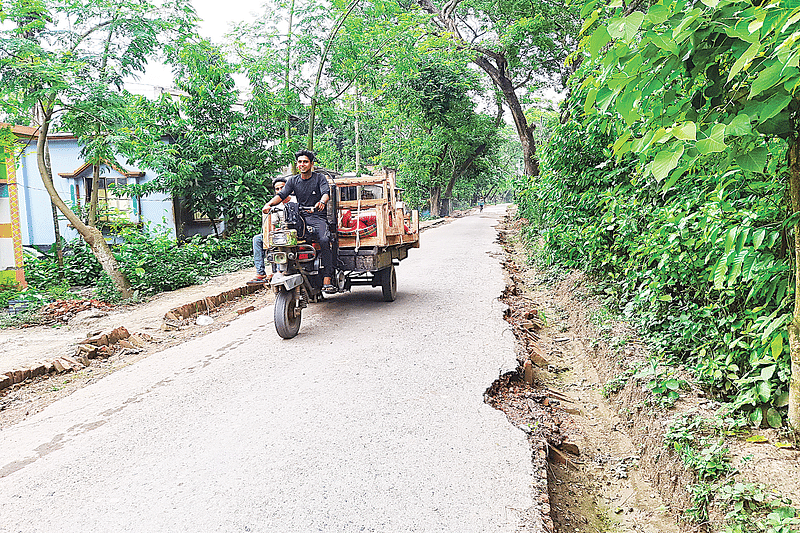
[{"x": 607, "y": 467}]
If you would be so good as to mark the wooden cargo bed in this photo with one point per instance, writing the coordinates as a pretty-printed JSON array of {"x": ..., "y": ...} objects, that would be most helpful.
[{"x": 371, "y": 215}]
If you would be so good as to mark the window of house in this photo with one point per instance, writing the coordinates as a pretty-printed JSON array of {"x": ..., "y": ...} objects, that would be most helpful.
[
  {"x": 109, "y": 205},
  {"x": 197, "y": 216}
]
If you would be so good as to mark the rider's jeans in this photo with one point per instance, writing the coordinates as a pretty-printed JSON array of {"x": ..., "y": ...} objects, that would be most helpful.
[
  {"x": 259, "y": 253},
  {"x": 320, "y": 223}
]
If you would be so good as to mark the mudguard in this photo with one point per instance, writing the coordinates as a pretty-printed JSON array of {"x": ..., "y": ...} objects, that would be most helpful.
[{"x": 289, "y": 282}]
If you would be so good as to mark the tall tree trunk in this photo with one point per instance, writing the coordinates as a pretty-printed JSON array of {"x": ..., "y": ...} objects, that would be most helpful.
[
  {"x": 497, "y": 73},
  {"x": 95, "y": 197},
  {"x": 434, "y": 198},
  {"x": 56, "y": 227},
  {"x": 448, "y": 192},
  {"x": 323, "y": 59},
  {"x": 92, "y": 236},
  {"x": 286, "y": 80},
  {"x": 794, "y": 326},
  {"x": 58, "y": 244}
]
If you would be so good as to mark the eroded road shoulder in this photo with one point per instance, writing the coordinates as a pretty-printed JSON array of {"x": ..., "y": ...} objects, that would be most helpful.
[{"x": 595, "y": 481}]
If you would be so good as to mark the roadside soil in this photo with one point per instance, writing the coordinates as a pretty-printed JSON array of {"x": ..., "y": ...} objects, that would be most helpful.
[{"x": 620, "y": 477}]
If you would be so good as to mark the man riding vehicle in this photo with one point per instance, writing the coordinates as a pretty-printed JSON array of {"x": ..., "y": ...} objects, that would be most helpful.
[
  {"x": 258, "y": 240},
  {"x": 312, "y": 191}
]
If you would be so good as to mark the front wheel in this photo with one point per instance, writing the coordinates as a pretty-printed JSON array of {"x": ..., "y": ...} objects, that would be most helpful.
[
  {"x": 287, "y": 315},
  {"x": 389, "y": 284}
]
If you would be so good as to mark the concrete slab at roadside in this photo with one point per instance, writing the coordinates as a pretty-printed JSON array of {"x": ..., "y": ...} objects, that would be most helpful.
[{"x": 24, "y": 349}]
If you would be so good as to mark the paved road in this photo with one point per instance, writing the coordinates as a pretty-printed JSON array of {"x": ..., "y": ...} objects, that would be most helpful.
[{"x": 372, "y": 419}]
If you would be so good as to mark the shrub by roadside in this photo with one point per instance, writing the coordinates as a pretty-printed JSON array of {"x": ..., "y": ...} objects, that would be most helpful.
[{"x": 152, "y": 261}]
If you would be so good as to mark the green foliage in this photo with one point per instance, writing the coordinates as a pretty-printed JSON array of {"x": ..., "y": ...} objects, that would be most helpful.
[
  {"x": 752, "y": 508},
  {"x": 700, "y": 99},
  {"x": 441, "y": 146},
  {"x": 206, "y": 149},
  {"x": 154, "y": 262},
  {"x": 151, "y": 260},
  {"x": 748, "y": 507},
  {"x": 80, "y": 265},
  {"x": 702, "y": 268},
  {"x": 614, "y": 385},
  {"x": 660, "y": 382},
  {"x": 8, "y": 292}
]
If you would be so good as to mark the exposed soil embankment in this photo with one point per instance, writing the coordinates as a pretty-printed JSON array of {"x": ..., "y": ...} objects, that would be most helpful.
[
  {"x": 616, "y": 474},
  {"x": 606, "y": 472}
]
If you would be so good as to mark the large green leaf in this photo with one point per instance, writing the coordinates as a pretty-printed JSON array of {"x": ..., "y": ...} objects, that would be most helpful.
[
  {"x": 774, "y": 105},
  {"x": 625, "y": 106},
  {"x": 764, "y": 391},
  {"x": 776, "y": 346},
  {"x": 715, "y": 141},
  {"x": 756, "y": 416},
  {"x": 658, "y": 13},
  {"x": 598, "y": 40},
  {"x": 589, "y": 21},
  {"x": 739, "y": 126},
  {"x": 744, "y": 60},
  {"x": 774, "y": 418},
  {"x": 665, "y": 161},
  {"x": 758, "y": 237},
  {"x": 754, "y": 161},
  {"x": 663, "y": 43},
  {"x": 782, "y": 399},
  {"x": 687, "y": 131},
  {"x": 588, "y": 7},
  {"x": 627, "y": 27},
  {"x": 605, "y": 97},
  {"x": 767, "y": 78},
  {"x": 730, "y": 238},
  {"x": 720, "y": 274}
]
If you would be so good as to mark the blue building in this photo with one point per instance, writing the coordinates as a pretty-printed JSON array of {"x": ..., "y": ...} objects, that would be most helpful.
[{"x": 72, "y": 178}]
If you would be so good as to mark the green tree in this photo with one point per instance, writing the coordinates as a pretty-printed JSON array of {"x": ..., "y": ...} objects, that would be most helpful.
[
  {"x": 212, "y": 151},
  {"x": 706, "y": 85},
  {"x": 61, "y": 56},
  {"x": 520, "y": 45},
  {"x": 330, "y": 49},
  {"x": 433, "y": 133}
]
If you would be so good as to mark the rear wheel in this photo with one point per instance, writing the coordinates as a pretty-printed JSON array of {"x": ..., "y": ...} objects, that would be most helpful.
[
  {"x": 389, "y": 284},
  {"x": 287, "y": 316}
]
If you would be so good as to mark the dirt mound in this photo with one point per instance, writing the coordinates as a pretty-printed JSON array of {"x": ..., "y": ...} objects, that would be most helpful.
[{"x": 64, "y": 311}]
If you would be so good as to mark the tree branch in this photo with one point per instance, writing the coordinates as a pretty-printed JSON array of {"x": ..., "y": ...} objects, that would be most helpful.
[{"x": 89, "y": 32}]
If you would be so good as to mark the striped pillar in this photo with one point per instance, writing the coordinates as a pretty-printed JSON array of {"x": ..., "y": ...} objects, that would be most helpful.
[{"x": 11, "y": 231}]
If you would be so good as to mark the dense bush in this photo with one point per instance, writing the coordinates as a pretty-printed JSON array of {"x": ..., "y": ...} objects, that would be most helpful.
[
  {"x": 702, "y": 267},
  {"x": 152, "y": 261}
]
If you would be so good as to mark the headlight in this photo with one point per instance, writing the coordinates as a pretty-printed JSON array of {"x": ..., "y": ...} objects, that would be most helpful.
[
  {"x": 284, "y": 238},
  {"x": 279, "y": 258},
  {"x": 279, "y": 238}
]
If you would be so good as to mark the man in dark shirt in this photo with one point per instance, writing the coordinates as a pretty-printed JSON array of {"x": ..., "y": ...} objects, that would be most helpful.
[{"x": 311, "y": 190}]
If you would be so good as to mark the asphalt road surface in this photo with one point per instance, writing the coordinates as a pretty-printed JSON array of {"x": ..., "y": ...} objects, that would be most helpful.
[{"x": 371, "y": 419}]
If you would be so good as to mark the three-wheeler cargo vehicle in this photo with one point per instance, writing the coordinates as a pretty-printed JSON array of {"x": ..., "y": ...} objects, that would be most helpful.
[{"x": 371, "y": 232}]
